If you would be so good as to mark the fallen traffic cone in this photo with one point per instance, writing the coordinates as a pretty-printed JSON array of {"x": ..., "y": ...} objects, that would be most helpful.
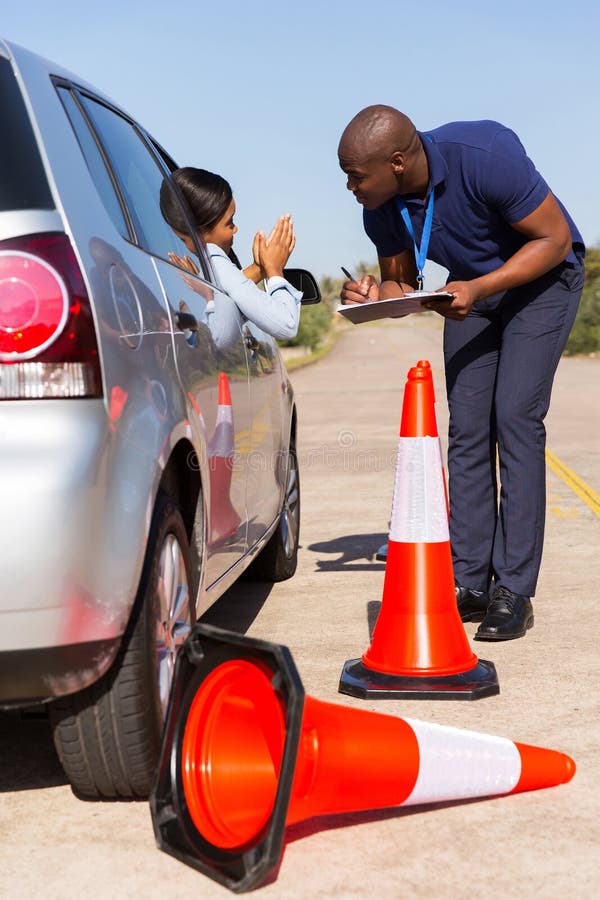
[
  {"x": 419, "y": 647},
  {"x": 224, "y": 520},
  {"x": 245, "y": 753}
]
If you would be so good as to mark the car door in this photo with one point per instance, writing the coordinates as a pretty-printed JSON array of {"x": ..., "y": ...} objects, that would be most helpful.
[
  {"x": 214, "y": 377},
  {"x": 214, "y": 374},
  {"x": 268, "y": 435}
]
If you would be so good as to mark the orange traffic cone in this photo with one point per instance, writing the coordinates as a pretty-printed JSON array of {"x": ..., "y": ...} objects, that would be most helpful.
[
  {"x": 224, "y": 520},
  {"x": 245, "y": 753},
  {"x": 419, "y": 647}
]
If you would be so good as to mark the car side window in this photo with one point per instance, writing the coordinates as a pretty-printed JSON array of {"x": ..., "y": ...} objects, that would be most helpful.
[
  {"x": 139, "y": 177},
  {"x": 169, "y": 166},
  {"x": 95, "y": 162}
]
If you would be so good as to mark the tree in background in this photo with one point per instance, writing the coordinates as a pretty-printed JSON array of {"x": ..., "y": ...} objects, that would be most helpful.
[
  {"x": 585, "y": 336},
  {"x": 315, "y": 323}
]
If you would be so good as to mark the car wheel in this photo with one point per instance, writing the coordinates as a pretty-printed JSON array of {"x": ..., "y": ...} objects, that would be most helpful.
[
  {"x": 278, "y": 559},
  {"x": 108, "y": 735}
]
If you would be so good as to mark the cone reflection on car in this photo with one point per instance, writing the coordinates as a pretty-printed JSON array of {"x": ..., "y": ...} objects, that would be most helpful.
[
  {"x": 245, "y": 753},
  {"x": 224, "y": 519}
]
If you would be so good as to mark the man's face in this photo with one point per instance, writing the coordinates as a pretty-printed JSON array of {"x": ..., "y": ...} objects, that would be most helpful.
[{"x": 372, "y": 181}]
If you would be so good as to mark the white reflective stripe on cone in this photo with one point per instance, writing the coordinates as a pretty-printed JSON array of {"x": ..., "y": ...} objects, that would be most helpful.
[
  {"x": 223, "y": 439},
  {"x": 419, "y": 512},
  {"x": 455, "y": 764}
]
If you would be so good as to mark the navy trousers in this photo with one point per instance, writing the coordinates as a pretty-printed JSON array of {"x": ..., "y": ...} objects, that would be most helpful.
[{"x": 500, "y": 364}]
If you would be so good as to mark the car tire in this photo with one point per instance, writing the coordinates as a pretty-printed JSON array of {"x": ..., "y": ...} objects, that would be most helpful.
[
  {"x": 278, "y": 559},
  {"x": 108, "y": 736}
]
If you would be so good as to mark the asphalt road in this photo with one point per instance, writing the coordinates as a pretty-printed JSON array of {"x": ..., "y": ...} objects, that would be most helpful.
[{"x": 541, "y": 844}]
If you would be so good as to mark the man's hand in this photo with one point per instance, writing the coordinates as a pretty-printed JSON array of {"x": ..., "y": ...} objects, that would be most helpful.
[
  {"x": 365, "y": 290},
  {"x": 465, "y": 295}
]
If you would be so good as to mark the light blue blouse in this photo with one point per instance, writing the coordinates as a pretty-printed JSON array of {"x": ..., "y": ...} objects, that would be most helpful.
[{"x": 276, "y": 310}]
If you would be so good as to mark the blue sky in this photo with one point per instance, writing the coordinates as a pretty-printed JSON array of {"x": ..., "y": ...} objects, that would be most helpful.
[{"x": 261, "y": 91}]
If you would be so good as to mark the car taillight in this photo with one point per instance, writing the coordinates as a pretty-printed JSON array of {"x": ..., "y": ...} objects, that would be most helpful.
[
  {"x": 48, "y": 346},
  {"x": 34, "y": 304}
]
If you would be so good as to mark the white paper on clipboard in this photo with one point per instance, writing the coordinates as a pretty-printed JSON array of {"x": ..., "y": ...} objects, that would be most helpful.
[{"x": 394, "y": 308}]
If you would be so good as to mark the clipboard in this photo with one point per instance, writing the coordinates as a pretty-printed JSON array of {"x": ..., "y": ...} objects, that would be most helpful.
[{"x": 395, "y": 308}]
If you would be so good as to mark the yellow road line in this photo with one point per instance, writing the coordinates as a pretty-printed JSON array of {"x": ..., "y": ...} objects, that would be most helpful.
[{"x": 577, "y": 484}]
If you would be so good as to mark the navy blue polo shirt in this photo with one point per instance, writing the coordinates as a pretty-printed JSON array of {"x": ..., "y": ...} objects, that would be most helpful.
[{"x": 483, "y": 181}]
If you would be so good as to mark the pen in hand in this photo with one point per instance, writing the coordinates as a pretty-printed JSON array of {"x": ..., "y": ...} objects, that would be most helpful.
[{"x": 356, "y": 281}]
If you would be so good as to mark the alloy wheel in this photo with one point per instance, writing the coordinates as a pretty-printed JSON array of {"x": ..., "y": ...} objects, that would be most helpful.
[
  {"x": 290, "y": 514},
  {"x": 173, "y": 613}
]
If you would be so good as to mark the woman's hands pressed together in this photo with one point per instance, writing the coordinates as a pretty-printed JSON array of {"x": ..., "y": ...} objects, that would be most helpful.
[{"x": 272, "y": 252}]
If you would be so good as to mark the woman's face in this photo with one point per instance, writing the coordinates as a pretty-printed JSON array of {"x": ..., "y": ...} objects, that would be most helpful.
[{"x": 223, "y": 231}]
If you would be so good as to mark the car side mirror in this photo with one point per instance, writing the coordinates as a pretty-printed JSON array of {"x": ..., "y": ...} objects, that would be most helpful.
[{"x": 304, "y": 281}]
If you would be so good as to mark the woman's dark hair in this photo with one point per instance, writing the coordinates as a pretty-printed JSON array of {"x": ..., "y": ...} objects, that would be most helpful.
[{"x": 206, "y": 194}]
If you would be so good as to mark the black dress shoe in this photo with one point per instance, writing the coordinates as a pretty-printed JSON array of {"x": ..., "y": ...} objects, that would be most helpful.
[
  {"x": 472, "y": 605},
  {"x": 508, "y": 617}
]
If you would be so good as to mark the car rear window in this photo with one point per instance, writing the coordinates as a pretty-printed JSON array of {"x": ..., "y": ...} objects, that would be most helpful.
[{"x": 23, "y": 182}]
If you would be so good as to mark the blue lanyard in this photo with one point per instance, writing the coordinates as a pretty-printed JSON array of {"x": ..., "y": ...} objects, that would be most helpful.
[{"x": 420, "y": 252}]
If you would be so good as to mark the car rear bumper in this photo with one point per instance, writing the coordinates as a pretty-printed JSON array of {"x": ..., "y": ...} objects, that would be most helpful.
[
  {"x": 32, "y": 676},
  {"x": 65, "y": 592}
]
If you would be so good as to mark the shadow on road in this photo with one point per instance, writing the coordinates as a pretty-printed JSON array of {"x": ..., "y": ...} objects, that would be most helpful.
[
  {"x": 316, "y": 824},
  {"x": 237, "y": 609},
  {"x": 332, "y": 821},
  {"x": 356, "y": 553},
  {"x": 29, "y": 760},
  {"x": 373, "y": 610}
]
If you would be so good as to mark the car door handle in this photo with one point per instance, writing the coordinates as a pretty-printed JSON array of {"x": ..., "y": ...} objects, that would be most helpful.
[{"x": 186, "y": 321}]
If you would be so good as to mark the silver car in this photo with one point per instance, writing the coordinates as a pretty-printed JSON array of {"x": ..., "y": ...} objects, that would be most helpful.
[{"x": 147, "y": 457}]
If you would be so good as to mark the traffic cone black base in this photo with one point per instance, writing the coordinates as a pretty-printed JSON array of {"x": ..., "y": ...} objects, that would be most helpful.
[
  {"x": 173, "y": 805},
  {"x": 367, "y": 684}
]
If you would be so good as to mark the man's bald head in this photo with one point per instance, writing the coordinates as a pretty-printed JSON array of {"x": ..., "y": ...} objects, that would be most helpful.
[
  {"x": 382, "y": 155},
  {"x": 377, "y": 131}
]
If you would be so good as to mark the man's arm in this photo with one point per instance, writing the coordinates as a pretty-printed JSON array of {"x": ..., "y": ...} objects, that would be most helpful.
[
  {"x": 548, "y": 244},
  {"x": 400, "y": 270}
]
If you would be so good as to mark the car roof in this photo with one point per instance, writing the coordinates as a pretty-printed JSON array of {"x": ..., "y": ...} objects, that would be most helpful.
[{"x": 25, "y": 59}]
